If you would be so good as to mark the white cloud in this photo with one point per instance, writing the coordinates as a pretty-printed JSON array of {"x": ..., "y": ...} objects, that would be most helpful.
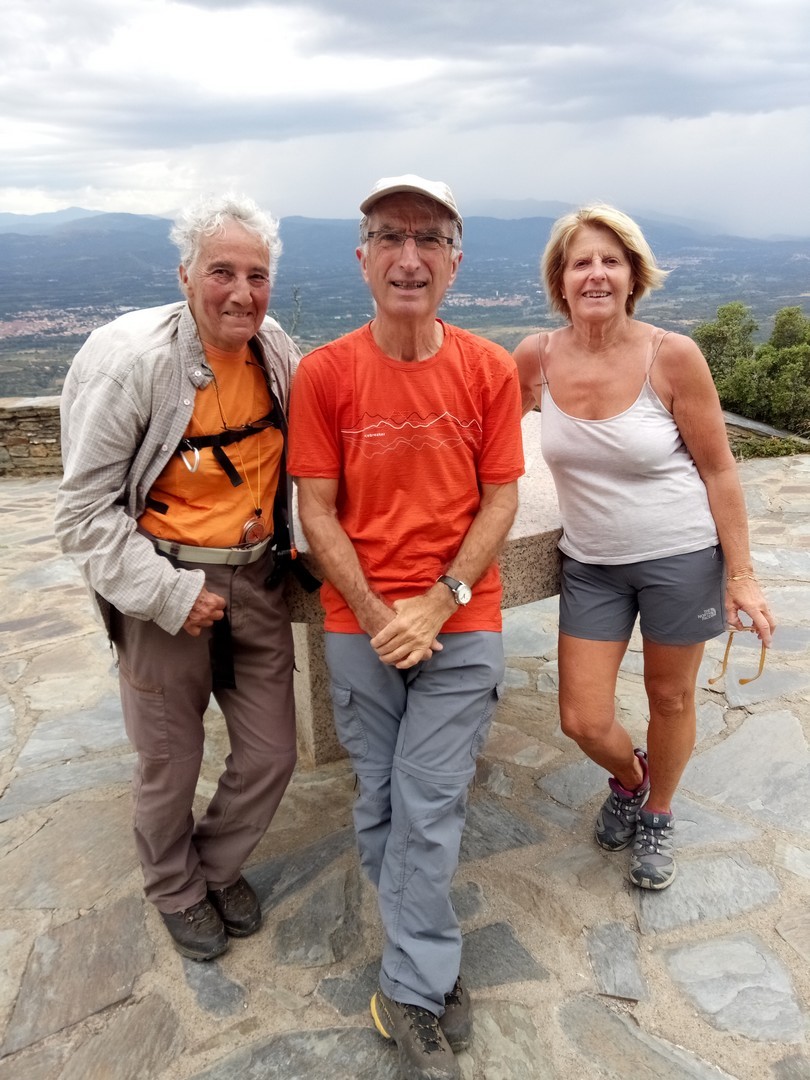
[{"x": 690, "y": 108}]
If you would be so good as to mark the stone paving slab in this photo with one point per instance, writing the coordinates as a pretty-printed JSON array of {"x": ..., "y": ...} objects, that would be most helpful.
[
  {"x": 339, "y": 1053},
  {"x": 613, "y": 1043},
  {"x": 41, "y": 788},
  {"x": 700, "y": 826},
  {"x": 215, "y": 992},
  {"x": 138, "y": 1044},
  {"x": 279, "y": 878},
  {"x": 794, "y": 927},
  {"x": 44, "y": 1063},
  {"x": 91, "y": 947},
  {"x": 509, "y": 744},
  {"x": 771, "y": 684},
  {"x": 507, "y": 1045},
  {"x": 86, "y": 848},
  {"x": 492, "y": 828},
  {"x": 614, "y": 955},
  {"x": 7, "y": 725},
  {"x": 792, "y": 858},
  {"x": 72, "y": 735},
  {"x": 325, "y": 928},
  {"x": 732, "y": 771},
  {"x": 712, "y": 887},
  {"x": 794, "y": 1067},
  {"x": 740, "y": 985}
]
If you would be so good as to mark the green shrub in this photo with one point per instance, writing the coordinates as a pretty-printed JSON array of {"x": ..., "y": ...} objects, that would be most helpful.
[
  {"x": 764, "y": 446},
  {"x": 769, "y": 383}
]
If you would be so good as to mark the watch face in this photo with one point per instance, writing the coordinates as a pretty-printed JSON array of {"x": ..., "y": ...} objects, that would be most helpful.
[{"x": 463, "y": 593}]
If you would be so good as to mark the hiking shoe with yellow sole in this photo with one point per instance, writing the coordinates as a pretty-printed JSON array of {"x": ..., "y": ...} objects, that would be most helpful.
[
  {"x": 424, "y": 1052},
  {"x": 456, "y": 1020}
]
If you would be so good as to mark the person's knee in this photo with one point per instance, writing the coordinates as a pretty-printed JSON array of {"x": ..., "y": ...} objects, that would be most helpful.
[
  {"x": 670, "y": 702},
  {"x": 374, "y": 788},
  {"x": 585, "y": 726},
  {"x": 419, "y": 800},
  {"x": 272, "y": 767},
  {"x": 164, "y": 773}
]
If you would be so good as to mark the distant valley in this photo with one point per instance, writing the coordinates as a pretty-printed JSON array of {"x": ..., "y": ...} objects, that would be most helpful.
[{"x": 63, "y": 274}]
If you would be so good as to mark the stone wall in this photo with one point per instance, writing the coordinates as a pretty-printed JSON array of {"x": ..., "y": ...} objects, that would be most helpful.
[{"x": 29, "y": 436}]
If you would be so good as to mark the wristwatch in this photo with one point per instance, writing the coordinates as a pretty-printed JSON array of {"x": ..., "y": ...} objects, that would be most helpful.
[{"x": 460, "y": 589}]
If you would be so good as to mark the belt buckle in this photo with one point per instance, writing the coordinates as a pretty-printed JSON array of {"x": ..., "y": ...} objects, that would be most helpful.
[{"x": 245, "y": 554}]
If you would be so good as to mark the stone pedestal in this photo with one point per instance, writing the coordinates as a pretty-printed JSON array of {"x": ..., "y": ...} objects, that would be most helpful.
[{"x": 530, "y": 569}]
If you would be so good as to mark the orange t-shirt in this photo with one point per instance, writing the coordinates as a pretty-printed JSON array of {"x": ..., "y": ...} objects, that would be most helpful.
[
  {"x": 203, "y": 507},
  {"x": 410, "y": 444}
]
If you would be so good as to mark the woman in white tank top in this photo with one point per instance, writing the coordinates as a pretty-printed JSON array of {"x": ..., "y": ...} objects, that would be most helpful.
[{"x": 634, "y": 436}]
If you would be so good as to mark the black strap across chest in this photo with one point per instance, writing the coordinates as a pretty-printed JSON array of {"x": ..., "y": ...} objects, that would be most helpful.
[{"x": 221, "y": 439}]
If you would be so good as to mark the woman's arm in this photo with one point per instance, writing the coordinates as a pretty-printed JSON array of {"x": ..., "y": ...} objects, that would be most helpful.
[{"x": 683, "y": 381}]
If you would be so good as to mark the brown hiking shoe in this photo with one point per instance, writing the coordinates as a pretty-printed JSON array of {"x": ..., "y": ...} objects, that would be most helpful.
[
  {"x": 197, "y": 932},
  {"x": 238, "y": 907},
  {"x": 456, "y": 1020},
  {"x": 424, "y": 1053}
]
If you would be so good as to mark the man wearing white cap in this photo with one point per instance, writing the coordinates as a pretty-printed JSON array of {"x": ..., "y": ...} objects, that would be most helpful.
[{"x": 405, "y": 440}]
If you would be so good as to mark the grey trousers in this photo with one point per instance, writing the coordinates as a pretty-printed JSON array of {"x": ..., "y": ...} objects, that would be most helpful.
[
  {"x": 413, "y": 737},
  {"x": 166, "y": 684}
]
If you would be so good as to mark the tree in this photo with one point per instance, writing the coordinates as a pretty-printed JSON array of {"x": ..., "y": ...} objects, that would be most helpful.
[
  {"x": 769, "y": 383},
  {"x": 790, "y": 327},
  {"x": 773, "y": 386},
  {"x": 728, "y": 340}
]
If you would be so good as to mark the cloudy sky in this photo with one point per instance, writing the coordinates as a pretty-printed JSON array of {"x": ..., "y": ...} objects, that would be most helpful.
[{"x": 693, "y": 108}]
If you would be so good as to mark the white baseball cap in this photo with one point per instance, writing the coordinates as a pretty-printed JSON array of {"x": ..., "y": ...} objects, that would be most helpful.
[{"x": 416, "y": 185}]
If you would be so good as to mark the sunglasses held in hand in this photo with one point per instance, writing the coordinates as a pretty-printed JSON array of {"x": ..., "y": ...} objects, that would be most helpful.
[{"x": 732, "y": 630}]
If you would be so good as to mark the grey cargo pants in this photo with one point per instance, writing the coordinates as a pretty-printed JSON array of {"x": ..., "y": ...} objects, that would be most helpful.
[{"x": 413, "y": 737}]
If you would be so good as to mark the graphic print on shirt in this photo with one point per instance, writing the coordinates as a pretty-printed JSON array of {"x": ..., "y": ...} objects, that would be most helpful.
[{"x": 376, "y": 435}]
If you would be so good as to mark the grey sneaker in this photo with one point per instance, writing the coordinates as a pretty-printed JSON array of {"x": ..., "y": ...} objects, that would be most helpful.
[
  {"x": 652, "y": 864},
  {"x": 456, "y": 1020},
  {"x": 424, "y": 1052},
  {"x": 616, "y": 821}
]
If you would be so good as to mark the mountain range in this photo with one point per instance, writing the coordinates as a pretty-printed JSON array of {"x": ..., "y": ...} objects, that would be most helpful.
[{"x": 63, "y": 273}]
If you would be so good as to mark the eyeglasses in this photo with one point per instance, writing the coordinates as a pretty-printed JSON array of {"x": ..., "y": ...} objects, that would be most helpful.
[
  {"x": 743, "y": 682},
  {"x": 391, "y": 239}
]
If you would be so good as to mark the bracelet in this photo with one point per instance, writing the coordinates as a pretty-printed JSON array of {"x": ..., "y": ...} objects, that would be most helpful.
[{"x": 744, "y": 575}]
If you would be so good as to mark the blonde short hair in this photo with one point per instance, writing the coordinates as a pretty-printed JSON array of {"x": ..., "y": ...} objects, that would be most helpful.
[{"x": 646, "y": 273}]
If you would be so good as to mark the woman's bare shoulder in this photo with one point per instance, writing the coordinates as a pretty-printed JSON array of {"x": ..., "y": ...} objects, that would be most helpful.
[
  {"x": 530, "y": 356},
  {"x": 538, "y": 344},
  {"x": 680, "y": 369},
  {"x": 679, "y": 348},
  {"x": 527, "y": 348}
]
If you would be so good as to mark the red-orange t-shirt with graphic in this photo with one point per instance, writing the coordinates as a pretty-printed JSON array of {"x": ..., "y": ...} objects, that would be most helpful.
[{"x": 410, "y": 444}]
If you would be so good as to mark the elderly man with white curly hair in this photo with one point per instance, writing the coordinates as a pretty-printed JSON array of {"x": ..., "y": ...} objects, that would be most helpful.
[{"x": 173, "y": 505}]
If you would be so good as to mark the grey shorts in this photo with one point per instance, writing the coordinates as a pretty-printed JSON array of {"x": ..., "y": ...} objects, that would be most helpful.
[{"x": 679, "y": 599}]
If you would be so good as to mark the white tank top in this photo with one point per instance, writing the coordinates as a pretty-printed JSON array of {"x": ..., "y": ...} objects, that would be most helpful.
[{"x": 628, "y": 488}]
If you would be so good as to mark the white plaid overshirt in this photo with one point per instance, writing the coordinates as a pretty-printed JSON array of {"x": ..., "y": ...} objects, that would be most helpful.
[{"x": 127, "y": 400}]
